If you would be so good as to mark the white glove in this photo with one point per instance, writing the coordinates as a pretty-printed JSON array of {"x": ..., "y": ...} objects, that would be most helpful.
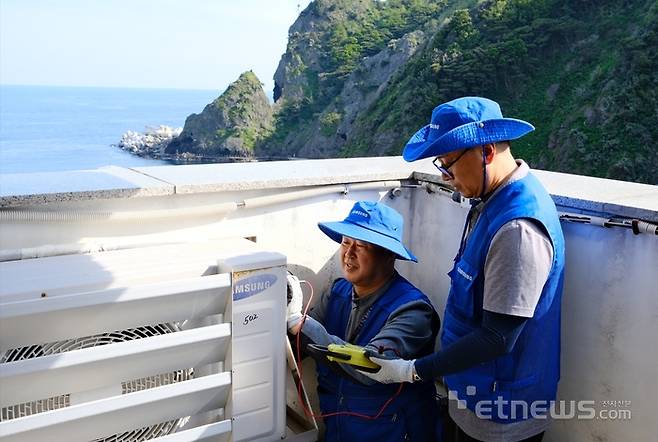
[
  {"x": 294, "y": 308},
  {"x": 392, "y": 371}
]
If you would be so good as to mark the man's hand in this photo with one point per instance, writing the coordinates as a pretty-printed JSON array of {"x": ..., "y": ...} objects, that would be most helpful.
[
  {"x": 294, "y": 308},
  {"x": 392, "y": 371}
]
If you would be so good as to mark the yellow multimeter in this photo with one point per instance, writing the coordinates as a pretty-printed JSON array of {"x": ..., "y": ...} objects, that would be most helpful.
[{"x": 347, "y": 354}]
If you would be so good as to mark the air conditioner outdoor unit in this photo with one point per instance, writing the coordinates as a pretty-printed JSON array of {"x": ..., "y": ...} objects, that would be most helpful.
[{"x": 182, "y": 358}]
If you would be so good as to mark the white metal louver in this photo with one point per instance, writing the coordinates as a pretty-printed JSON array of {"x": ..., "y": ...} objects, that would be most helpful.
[
  {"x": 158, "y": 361},
  {"x": 129, "y": 386}
]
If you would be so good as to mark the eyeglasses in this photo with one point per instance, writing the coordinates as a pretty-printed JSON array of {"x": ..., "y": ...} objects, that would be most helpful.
[{"x": 445, "y": 168}]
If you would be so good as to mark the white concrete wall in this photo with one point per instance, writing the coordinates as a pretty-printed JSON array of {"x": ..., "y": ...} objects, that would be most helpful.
[
  {"x": 610, "y": 326},
  {"x": 290, "y": 228}
]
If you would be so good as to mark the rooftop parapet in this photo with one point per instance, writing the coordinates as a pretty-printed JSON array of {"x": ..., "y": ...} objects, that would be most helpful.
[{"x": 582, "y": 194}]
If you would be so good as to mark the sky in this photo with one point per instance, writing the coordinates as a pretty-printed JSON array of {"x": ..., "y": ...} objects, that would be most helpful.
[{"x": 183, "y": 44}]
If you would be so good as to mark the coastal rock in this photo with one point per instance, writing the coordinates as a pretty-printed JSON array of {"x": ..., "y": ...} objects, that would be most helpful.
[
  {"x": 230, "y": 126},
  {"x": 151, "y": 143}
]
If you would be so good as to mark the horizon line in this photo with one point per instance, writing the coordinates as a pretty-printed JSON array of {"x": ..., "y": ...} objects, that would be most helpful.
[{"x": 111, "y": 87}]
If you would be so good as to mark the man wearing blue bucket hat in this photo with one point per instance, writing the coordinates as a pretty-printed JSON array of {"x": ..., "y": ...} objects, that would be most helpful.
[
  {"x": 500, "y": 343},
  {"x": 374, "y": 307}
]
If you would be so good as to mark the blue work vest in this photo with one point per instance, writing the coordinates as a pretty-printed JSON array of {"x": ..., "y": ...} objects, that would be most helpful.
[
  {"x": 412, "y": 414},
  {"x": 531, "y": 371}
]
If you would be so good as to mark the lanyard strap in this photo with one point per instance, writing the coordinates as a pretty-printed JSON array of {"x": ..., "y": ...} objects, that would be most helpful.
[{"x": 469, "y": 217}]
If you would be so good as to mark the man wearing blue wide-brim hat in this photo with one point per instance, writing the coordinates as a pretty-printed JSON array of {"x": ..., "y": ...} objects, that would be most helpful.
[
  {"x": 374, "y": 307},
  {"x": 500, "y": 342}
]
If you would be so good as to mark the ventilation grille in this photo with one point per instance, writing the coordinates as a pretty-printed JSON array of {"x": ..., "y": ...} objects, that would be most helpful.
[{"x": 128, "y": 386}]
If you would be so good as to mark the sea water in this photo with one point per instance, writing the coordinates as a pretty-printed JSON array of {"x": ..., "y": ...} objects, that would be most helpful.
[{"x": 46, "y": 128}]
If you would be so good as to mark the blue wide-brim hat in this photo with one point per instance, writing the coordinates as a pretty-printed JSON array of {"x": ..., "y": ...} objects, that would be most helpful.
[
  {"x": 462, "y": 123},
  {"x": 372, "y": 222}
]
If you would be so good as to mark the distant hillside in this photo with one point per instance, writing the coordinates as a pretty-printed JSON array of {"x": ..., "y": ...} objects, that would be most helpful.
[{"x": 359, "y": 77}]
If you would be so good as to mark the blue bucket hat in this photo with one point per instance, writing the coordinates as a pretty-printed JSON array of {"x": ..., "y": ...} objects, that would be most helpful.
[
  {"x": 372, "y": 222},
  {"x": 461, "y": 123}
]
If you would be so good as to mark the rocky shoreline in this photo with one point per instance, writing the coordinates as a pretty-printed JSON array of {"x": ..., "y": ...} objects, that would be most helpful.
[{"x": 151, "y": 143}]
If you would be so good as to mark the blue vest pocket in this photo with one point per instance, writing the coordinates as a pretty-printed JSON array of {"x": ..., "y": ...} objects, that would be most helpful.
[
  {"x": 389, "y": 427},
  {"x": 517, "y": 384},
  {"x": 461, "y": 298}
]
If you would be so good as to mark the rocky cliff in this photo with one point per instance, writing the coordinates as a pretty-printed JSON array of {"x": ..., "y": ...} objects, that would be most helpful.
[
  {"x": 341, "y": 56},
  {"x": 332, "y": 127},
  {"x": 230, "y": 126},
  {"x": 360, "y": 76}
]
